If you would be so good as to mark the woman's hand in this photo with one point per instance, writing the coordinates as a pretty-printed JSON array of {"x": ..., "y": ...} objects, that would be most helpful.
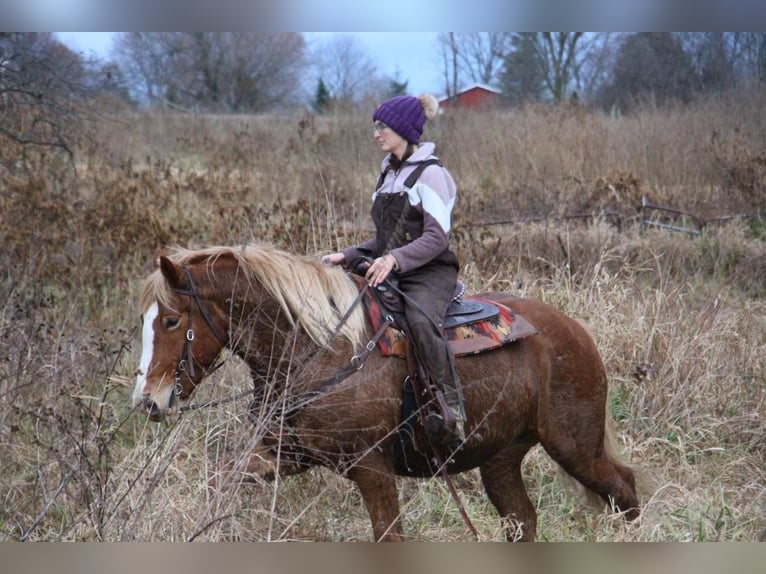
[
  {"x": 334, "y": 259},
  {"x": 380, "y": 269}
]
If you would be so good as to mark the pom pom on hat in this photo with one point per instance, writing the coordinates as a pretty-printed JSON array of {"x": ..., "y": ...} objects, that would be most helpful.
[
  {"x": 430, "y": 105},
  {"x": 407, "y": 115}
]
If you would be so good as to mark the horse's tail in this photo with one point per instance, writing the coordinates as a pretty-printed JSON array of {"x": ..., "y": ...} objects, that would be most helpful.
[
  {"x": 643, "y": 484},
  {"x": 636, "y": 480}
]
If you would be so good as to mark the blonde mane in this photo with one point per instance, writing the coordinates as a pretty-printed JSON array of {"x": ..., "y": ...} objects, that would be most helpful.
[{"x": 310, "y": 294}]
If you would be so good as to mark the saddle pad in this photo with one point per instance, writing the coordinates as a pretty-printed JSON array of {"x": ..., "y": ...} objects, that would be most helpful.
[{"x": 465, "y": 339}]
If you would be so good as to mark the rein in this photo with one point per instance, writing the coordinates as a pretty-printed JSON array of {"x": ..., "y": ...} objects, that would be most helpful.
[
  {"x": 215, "y": 403},
  {"x": 356, "y": 363},
  {"x": 187, "y": 360}
]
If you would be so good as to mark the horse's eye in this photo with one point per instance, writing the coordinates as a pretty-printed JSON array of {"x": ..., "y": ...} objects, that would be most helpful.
[{"x": 171, "y": 322}]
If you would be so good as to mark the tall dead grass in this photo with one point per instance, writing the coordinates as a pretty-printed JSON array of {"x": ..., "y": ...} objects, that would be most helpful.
[{"x": 679, "y": 320}]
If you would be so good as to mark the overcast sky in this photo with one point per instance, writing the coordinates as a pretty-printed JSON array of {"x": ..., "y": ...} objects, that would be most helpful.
[{"x": 414, "y": 56}]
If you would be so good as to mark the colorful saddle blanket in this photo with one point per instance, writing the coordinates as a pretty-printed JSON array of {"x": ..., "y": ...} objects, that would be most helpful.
[{"x": 475, "y": 326}]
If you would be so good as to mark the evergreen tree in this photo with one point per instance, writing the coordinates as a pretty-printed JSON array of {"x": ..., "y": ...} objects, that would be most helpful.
[
  {"x": 397, "y": 88},
  {"x": 322, "y": 98},
  {"x": 522, "y": 76},
  {"x": 650, "y": 66}
]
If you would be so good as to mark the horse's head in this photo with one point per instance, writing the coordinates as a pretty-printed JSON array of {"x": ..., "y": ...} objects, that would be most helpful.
[{"x": 183, "y": 334}]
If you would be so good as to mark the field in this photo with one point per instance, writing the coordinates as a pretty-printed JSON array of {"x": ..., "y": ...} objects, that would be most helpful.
[{"x": 548, "y": 208}]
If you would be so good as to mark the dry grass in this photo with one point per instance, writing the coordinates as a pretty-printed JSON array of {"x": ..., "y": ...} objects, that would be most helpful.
[{"x": 679, "y": 321}]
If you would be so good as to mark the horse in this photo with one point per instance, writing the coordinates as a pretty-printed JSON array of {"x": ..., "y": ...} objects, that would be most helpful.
[{"x": 294, "y": 322}]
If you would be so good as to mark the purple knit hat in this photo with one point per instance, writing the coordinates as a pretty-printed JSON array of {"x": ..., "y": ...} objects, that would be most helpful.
[{"x": 404, "y": 115}]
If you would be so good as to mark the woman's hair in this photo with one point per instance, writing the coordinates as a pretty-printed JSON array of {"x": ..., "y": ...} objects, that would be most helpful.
[{"x": 396, "y": 163}]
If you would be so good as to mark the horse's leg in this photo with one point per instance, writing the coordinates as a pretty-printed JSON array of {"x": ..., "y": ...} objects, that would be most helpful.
[
  {"x": 502, "y": 480},
  {"x": 260, "y": 463},
  {"x": 263, "y": 462},
  {"x": 374, "y": 476},
  {"x": 587, "y": 453}
]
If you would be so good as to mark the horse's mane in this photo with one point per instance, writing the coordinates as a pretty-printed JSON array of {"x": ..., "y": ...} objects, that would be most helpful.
[{"x": 312, "y": 295}]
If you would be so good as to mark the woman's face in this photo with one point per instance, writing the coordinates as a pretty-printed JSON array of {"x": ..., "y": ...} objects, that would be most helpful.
[{"x": 388, "y": 140}]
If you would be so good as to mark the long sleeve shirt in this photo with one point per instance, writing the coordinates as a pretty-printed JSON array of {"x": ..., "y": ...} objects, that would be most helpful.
[{"x": 413, "y": 224}]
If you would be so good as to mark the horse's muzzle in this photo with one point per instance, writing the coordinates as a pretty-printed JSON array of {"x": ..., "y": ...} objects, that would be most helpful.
[
  {"x": 152, "y": 410},
  {"x": 157, "y": 405}
]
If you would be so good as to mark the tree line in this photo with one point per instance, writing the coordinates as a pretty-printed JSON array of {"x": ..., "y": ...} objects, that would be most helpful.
[
  {"x": 604, "y": 69},
  {"x": 45, "y": 88},
  {"x": 261, "y": 71}
]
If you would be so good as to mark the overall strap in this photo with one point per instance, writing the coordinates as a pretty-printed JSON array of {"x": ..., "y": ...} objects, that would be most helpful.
[
  {"x": 418, "y": 171},
  {"x": 382, "y": 177}
]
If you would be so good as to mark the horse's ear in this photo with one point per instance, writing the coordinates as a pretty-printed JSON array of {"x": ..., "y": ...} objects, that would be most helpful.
[
  {"x": 173, "y": 274},
  {"x": 159, "y": 252}
]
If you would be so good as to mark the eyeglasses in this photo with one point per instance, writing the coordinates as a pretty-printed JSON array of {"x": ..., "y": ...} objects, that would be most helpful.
[{"x": 378, "y": 127}]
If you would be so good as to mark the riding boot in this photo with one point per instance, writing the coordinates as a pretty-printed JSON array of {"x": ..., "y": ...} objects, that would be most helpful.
[
  {"x": 448, "y": 420},
  {"x": 445, "y": 425},
  {"x": 427, "y": 296}
]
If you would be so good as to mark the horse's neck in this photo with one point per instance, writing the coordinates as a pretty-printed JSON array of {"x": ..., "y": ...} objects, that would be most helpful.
[
  {"x": 263, "y": 337},
  {"x": 286, "y": 359},
  {"x": 271, "y": 346}
]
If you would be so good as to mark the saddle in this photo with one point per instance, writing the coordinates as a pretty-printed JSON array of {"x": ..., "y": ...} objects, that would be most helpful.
[{"x": 472, "y": 325}]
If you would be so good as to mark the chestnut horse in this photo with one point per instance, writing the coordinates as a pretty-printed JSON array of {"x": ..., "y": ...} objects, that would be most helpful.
[{"x": 288, "y": 318}]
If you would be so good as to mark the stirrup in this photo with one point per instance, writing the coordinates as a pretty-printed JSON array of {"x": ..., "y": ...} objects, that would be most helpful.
[
  {"x": 450, "y": 432},
  {"x": 455, "y": 425}
]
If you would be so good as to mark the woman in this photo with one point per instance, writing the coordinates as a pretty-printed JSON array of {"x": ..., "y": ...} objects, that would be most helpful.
[{"x": 412, "y": 239}]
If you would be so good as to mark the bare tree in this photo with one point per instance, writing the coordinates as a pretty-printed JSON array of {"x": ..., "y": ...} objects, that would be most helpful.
[
  {"x": 758, "y": 42},
  {"x": 145, "y": 59},
  {"x": 526, "y": 64},
  {"x": 450, "y": 59},
  {"x": 713, "y": 56},
  {"x": 748, "y": 51},
  {"x": 557, "y": 65},
  {"x": 267, "y": 70},
  {"x": 44, "y": 92},
  {"x": 725, "y": 60},
  {"x": 597, "y": 52},
  {"x": 346, "y": 70},
  {"x": 481, "y": 54},
  {"x": 218, "y": 71},
  {"x": 476, "y": 57},
  {"x": 558, "y": 55}
]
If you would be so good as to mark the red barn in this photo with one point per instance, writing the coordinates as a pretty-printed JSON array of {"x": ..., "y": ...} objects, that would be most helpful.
[{"x": 477, "y": 95}]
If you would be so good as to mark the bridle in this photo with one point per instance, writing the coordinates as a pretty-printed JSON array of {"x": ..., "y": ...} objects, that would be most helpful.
[{"x": 187, "y": 358}]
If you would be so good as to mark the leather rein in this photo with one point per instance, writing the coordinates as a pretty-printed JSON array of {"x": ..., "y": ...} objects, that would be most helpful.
[{"x": 186, "y": 362}]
